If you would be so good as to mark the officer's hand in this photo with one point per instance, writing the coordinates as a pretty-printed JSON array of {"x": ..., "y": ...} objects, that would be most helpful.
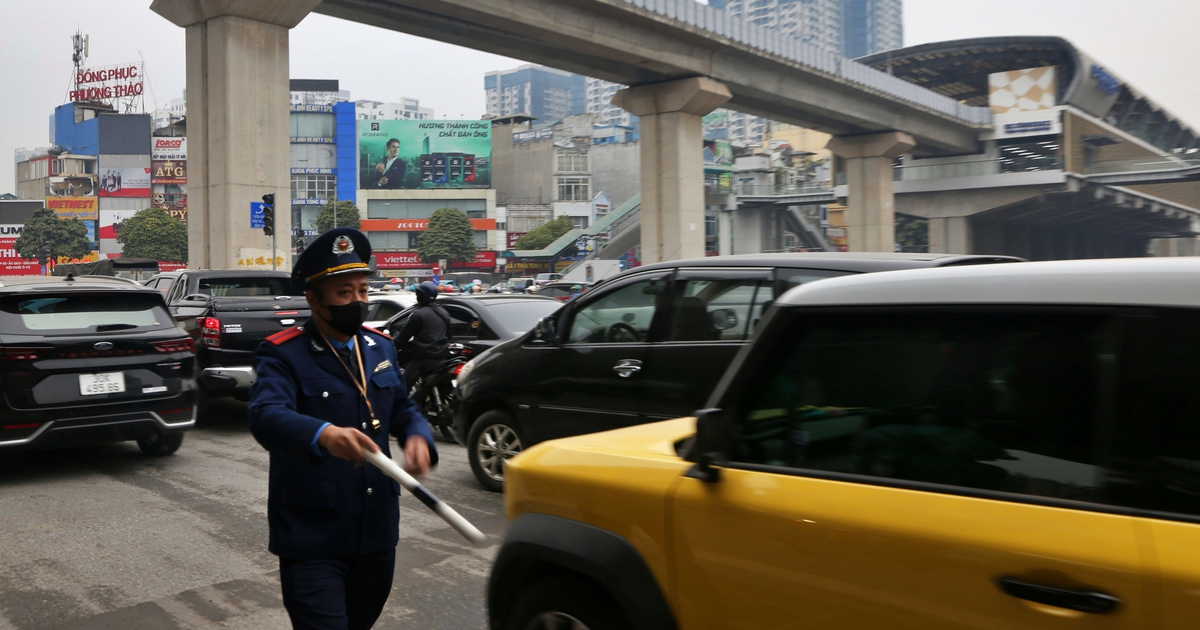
[
  {"x": 416, "y": 456},
  {"x": 346, "y": 443}
]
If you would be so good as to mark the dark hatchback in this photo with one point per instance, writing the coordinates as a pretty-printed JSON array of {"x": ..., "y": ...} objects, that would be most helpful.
[
  {"x": 92, "y": 359},
  {"x": 482, "y": 320},
  {"x": 646, "y": 345}
]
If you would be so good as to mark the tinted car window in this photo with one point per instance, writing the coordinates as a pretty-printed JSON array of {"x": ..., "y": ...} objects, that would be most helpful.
[
  {"x": 523, "y": 315},
  {"x": 239, "y": 287},
  {"x": 81, "y": 313},
  {"x": 718, "y": 309},
  {"x": 622, "y": 315},
  {"x": 382, "y": 309},
  {"x": 995, "y": 402},
  {"x": 1158, "y": 411},
  {"x": 554, "y": 291},
  {"x": 464, "y": 325}
]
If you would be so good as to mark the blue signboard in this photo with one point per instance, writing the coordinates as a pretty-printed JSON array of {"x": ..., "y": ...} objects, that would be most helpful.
[{"x": 256, "y": 214}]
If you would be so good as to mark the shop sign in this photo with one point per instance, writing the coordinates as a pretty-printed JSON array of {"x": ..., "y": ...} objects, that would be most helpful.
[
  {"x": 10, "y": 263},
  {"x": 482, "y": 259},
  {"x": 400, "y": 260},
  {"x": 168, "y": 172},
  {"x": 107, "y": 84},
  {"x": 74, "y": 207},
  {"x": 513, "y": 237},
  {"x": 414, "y": 225},
  {"x": 168, "y": 149}
]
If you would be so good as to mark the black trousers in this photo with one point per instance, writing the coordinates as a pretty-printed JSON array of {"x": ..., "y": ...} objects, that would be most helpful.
[{"x": 336, "y": 593}]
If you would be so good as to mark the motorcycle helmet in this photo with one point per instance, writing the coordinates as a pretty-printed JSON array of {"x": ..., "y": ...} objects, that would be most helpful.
[{"x": 426, "y": 292}]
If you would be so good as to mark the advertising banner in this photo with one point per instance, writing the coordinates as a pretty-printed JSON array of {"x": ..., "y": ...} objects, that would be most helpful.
[
  {"x": 168, "y": 172},
  {"x": 129, "y": 181},
  {"x": 513, "y": 237},
  {"x": 174, "y": 204},
  {"x": 10, "y": 263},
  {"x": 74, "y": 207},
  {"x": 168, "y": 149},
  {"x": 414, "y": 225},
  {"x": 110, "y": 222},
  {"x": 416, "y": 154}
]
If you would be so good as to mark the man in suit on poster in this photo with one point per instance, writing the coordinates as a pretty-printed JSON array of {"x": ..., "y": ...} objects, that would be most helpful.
[{"x": 391, "y": 168}]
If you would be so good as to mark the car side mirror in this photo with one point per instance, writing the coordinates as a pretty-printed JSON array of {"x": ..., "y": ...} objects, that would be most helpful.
[
  {"x": 723, "y": 318},
  {"x": 546, "y": 329},
  {"x": 708, "y": 446}
]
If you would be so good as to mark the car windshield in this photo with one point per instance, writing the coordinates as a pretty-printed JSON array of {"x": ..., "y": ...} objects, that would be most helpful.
[
  {"x": 520, "y": 316},
  {"x": 81, "y": 312}
]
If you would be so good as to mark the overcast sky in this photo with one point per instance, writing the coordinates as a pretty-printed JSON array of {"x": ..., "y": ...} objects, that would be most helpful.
[{"x": 1148, "y": 43}]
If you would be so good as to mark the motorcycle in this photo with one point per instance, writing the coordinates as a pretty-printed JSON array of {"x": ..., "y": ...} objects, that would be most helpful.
[{"x": 435, "y": 393}]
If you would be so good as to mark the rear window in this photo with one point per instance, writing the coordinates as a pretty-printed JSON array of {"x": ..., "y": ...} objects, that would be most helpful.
[
  {"x": 73, "y": 313},
  {"x": 244, "y": 287},
  {"x": 522, "y": 316}
]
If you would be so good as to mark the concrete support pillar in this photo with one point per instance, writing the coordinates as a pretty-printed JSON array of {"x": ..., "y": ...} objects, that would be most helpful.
[
  {"x": 672, "y": 166},
  {"x": 950, "y": 235},
  {"x": 238, "y": 128},
  {"x": 870, "y": 200},
  {"x": 753, "y": 231}
]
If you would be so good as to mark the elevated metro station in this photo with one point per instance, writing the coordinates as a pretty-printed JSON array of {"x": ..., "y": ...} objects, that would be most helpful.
[{"x": 1078, "y": 164}]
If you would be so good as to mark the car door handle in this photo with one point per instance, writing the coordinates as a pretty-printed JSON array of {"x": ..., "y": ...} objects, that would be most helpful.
[
  {"x": 626, "y": 367},
  {"x": 1087, "y": 601}
]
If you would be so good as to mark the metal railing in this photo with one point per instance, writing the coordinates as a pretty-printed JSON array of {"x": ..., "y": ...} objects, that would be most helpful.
[
  {"x": 781, "y": 190},
  {"x": 1145, "y": 164},
  {"x": 973, "y": 168},
  {"x": 784, "y": 46}
]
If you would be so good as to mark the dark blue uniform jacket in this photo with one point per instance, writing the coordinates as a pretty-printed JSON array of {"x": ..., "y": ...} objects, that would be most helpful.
[{"x": 320, "y": 505}]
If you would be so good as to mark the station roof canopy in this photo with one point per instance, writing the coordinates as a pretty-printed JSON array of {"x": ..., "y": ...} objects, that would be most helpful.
[{"x": 960, "y": 68}]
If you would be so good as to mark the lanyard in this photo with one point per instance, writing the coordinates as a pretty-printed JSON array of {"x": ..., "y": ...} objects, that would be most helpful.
[{"x": 362, "y": 386}]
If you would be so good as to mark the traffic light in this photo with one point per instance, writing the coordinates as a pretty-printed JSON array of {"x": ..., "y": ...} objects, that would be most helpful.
[{"x": 268, "y": 214}]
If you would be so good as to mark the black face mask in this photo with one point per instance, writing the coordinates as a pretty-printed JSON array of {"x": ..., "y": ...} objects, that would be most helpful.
[{"x": 347, "y": 318}]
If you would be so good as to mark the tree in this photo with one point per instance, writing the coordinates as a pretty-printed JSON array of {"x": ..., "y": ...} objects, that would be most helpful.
[
  {"x": 912, "y": 233},
  {"x": 62, "y": 237},
  {"x": 547, "y": 233},
  {"x": 347, "y": 216},
  {"x": 154, "y": 234},
  {"x": 450, "y": 236}
]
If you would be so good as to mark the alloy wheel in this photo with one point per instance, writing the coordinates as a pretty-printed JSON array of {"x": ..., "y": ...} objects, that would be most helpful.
[{"x": 496, "y": 445}]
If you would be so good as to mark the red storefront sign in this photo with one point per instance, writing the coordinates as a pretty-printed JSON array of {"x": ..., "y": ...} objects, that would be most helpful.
[
  {"x": 171, "y": 266},
  {"x": 414, "y": 225},
  {"x": 513, "y": 237},
  {"x": 482, "y": 260}
]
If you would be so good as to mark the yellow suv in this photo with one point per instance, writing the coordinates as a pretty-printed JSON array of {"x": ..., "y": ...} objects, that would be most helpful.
[{"x": 1001, "y": 446}]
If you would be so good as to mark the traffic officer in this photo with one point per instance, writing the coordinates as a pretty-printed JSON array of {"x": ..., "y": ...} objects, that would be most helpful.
[{"x": 325, "y": 392}]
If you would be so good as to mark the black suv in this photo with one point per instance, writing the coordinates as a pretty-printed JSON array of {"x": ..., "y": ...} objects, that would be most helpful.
[
  {"x": 91, "y": 359},
  {"x": 646, "y": 345}
]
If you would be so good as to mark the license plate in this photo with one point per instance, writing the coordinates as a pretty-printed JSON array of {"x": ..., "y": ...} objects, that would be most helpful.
[{"x": 92, "y": 384}]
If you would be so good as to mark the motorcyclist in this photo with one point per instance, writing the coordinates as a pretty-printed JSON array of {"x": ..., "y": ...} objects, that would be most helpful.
[{"x": 425, "y": 336}]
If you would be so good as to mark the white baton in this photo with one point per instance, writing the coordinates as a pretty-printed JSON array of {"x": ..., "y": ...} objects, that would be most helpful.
[{"x": 393, "y": 470}]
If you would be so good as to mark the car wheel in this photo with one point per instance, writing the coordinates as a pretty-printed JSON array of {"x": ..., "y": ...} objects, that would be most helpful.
[
  {"x": 159, "y": 445},
  {"x": 563, "y": 602},
  {"x": 492, "y": 441}
]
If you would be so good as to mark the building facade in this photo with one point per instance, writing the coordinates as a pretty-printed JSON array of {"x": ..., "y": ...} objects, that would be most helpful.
[
  {"x": 405, "y": 109},
  {"x": 543, "y": 93}
]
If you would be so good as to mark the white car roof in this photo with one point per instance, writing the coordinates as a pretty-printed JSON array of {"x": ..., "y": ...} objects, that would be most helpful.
[{"x": 1113, "y": 281}]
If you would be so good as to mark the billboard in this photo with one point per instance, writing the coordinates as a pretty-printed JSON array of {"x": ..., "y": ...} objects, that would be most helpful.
[
  {"x": 418, "y": 154},
  {"x": 414, "y": 225},
  {"x": 74, "y": 207},
  {"x": 125, "y": 181},
  {"x": 10, "y": 263}
]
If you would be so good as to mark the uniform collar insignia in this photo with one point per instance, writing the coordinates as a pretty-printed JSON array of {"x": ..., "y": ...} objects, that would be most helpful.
[
  {"x": 370, "y": 341},
  {"x": 316, "y": 346}
]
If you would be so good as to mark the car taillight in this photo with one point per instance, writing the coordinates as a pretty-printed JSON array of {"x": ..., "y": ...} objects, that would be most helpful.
[
  {"x": 175, "y": 345},
  {"x": 458, "y": 368},
  {"x": 21, "y": 354},
  {"x": 210, "y": 331}
]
